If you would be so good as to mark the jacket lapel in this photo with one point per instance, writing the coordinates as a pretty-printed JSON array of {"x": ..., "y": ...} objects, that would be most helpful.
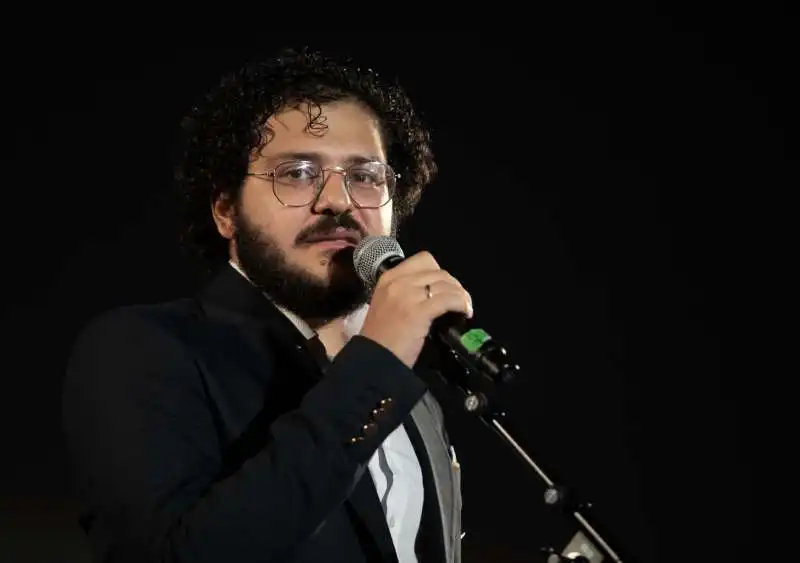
[
  {"x": 432, "y": 450},
  {"x": 366, "y": 508},
  {"x": 232, "y": 298}
]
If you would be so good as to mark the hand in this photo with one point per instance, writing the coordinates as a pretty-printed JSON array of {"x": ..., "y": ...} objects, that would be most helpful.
[{"x": 401, "y": 312}]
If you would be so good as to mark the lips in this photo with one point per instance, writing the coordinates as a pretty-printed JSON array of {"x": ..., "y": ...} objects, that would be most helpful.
[{"x": 337, "y": 237}]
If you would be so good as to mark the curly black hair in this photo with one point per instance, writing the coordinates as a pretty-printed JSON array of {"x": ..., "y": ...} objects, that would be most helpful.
[{"x": 229, "y": 126}]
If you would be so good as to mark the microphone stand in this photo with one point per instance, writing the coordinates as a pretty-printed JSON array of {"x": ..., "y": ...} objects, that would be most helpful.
[{"x": 490, "y": 360}]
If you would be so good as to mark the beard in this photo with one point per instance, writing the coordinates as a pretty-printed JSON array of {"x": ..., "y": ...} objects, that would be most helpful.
[{"x": 315, "y": 300}]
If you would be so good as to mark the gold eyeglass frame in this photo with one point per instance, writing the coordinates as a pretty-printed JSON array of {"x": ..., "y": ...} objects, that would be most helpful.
[{"x": 322, "y": 181}]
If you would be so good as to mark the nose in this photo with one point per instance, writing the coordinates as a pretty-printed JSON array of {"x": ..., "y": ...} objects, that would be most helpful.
[{"x": 333, "y": 194}]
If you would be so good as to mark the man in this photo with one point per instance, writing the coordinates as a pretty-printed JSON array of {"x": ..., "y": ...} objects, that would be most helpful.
[{"x": 277, "y": 416}]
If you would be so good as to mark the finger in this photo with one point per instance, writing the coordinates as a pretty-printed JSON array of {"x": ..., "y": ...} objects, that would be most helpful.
[
  {"x": 445, "y": 297},
  {"x": 430, "y": 277},
  {"x": 449, "y": 284},
  {"x": 419, "y": 262}
]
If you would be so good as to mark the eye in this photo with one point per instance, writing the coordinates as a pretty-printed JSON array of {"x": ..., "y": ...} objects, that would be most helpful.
[
  {"x": 367, "y": 176},
  {"x": 363, "y": 178},
  {"x": 297, "y": 172}
]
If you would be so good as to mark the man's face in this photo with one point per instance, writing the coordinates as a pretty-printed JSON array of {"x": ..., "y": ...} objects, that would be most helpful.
[{"x": 278, "y": 246}]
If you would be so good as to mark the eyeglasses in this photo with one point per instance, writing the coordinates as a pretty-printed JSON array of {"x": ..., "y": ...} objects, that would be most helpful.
[{"x": 299, "y": 182}]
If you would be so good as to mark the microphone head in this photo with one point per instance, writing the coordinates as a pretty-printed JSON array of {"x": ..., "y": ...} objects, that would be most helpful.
[{"x": 370, "y": 253}]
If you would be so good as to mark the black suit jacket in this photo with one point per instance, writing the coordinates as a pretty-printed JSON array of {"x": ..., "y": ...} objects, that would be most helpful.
[{"x": 207, "y": 430}]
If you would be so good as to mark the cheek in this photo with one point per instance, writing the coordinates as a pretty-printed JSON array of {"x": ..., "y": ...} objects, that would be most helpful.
[
  {"x": 284, "y": 227},
  {"x": 279, "y": 223},
  {"x": 378, "y": 221}
]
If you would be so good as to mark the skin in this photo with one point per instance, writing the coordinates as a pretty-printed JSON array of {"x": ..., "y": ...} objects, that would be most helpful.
[{"x": 352, "y": 132}]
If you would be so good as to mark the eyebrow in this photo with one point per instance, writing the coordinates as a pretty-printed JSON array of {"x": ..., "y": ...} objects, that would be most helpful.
[{"x": 319, "y": 157}]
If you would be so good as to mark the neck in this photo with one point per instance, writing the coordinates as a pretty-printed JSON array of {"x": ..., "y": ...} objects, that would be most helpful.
[
  {"x": 336, "y": 333},
  {"x": 333, "y": 336}
]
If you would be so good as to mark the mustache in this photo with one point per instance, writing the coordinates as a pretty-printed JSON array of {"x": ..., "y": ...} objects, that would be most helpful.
[{"x": 328, "y": 225}]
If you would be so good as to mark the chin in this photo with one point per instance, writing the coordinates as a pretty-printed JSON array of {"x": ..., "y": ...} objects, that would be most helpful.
[
  {"x": 322, "y": 256},
  {"x": 321, "y": 268},
  {"x": 323, "y": 264}
]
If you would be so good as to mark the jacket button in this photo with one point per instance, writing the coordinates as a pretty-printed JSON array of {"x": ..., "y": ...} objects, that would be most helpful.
[{"x": 369, "y": 429}]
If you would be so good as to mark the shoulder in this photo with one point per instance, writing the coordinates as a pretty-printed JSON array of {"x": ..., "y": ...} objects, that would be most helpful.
[
  {"x": 134, "y": 342},
  {"x": 130, "y": 365},
  {"x": 137, "y": 324}
]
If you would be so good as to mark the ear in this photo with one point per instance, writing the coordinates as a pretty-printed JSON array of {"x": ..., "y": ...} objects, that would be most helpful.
[{"x": 223, "y": 210}]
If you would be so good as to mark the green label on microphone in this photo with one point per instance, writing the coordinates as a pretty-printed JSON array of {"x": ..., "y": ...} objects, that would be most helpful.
[{"x": 473, "y": 339}]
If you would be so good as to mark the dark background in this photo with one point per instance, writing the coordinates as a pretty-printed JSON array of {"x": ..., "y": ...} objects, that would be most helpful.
[{"x": 604, "y": 185}]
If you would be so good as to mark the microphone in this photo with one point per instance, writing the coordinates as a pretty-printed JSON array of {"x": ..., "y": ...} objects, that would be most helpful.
[{"x": 375, "y": 255}]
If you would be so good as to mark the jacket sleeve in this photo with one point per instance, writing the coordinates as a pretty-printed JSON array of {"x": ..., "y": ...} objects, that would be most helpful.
[{"x": 143, "y": 443}]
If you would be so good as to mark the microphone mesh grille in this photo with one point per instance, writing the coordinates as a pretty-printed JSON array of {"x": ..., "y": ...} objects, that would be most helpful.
[{"x": 370, "y": 253}]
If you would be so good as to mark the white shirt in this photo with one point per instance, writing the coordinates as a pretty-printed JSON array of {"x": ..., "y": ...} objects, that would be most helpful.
[{"x": 394, "y": 467}]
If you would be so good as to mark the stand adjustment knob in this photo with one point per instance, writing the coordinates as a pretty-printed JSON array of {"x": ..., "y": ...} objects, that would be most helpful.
[
  {"x": 475, "y": 403},
  {"x": 555, "y": 495}
]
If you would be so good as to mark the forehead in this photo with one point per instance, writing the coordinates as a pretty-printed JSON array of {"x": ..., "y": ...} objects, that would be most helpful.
[{"x": 336, "y": 132}]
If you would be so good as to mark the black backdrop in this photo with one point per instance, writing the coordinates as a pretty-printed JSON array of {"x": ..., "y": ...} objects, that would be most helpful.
[{"x": 600, "y": 187}]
